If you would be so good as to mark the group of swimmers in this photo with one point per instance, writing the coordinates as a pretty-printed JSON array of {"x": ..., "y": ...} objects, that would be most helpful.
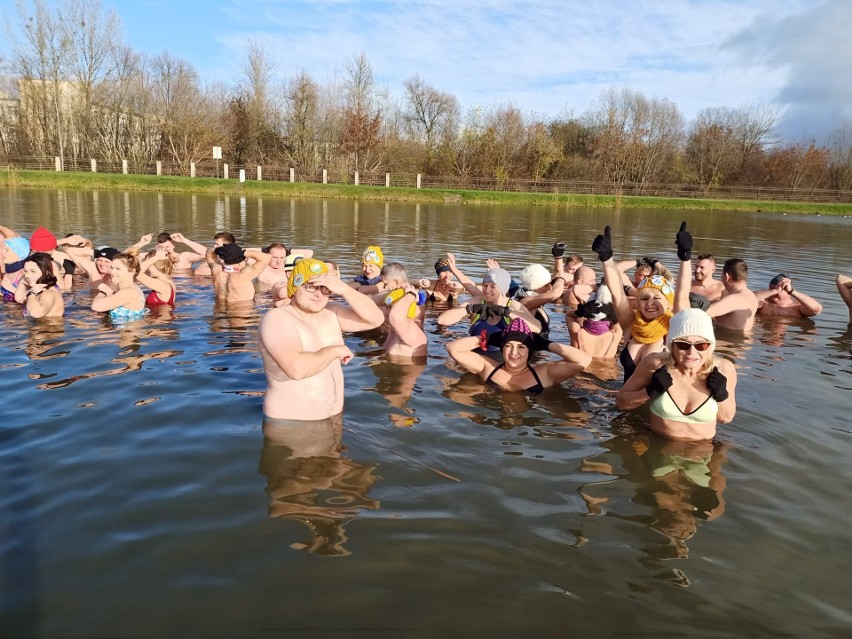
[{"x": 660, "y": 327}]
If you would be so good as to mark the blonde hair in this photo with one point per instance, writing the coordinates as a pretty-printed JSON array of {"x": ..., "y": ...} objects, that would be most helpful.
[
  {"x": 165, "y": 265},
  {"x": 130, "y": 261}
]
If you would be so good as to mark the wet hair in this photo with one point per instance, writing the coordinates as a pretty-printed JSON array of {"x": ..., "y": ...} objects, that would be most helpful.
[
  {"x": 45, "y": 265},
  {"x": 165, "y": 265},
  {"x": 736, "y": 269},
  {"x": 129, "y": 261},
  {"x": 163, "y": 238},
  {"x": 226, "y": 237},
  {"x": 395, "y": 271}
]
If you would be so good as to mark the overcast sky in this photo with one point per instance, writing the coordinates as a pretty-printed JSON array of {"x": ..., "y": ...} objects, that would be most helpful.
[{"x": 546, "y": 57}]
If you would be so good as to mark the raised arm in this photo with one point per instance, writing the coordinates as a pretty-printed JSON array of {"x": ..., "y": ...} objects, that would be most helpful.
[
  {"x": 461, "y": 350},
  {"x": 360, "y": 312},
  {"x": 683, "y": 240},
  {"x": 200, "y": 249},
  {"x": 405, "y": 328},
  {"x": 612, "y": 278},
  {"x": 574, "y": 361},
  {"x": 463, "y": 279}
]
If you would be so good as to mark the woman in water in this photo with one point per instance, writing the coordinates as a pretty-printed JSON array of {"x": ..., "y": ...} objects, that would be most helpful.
[
  {"x": 155, "y": 273},
  {"x": 38, "y": 290},
  {"x": 490, "y": 310},
  {"x": 656, "y": 301},
  {"x": 689, "y": 389},
  {"x": 516, "y": 373},
  {"x": 128, "y": 300},
  {"x": 443, "y": 289}
]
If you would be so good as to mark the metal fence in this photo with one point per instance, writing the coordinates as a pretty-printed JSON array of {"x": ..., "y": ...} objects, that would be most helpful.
[{"x": 209, "y": 168}]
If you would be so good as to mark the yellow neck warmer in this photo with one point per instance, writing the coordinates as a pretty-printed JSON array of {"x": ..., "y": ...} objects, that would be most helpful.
[{"x": 648, "y": 332}]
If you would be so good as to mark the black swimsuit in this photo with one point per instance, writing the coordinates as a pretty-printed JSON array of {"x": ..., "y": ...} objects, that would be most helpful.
[
  {"x": 627, "y": 362},
  {"x": 532, "y": 390}
]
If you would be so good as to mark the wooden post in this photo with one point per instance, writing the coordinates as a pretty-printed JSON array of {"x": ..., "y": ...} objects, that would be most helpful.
[
  {"x": 387, "y": 179},
  {"x": 292, "y": 174},
  {"x": 325, "y": 176},
  {"x": 159, "y": 167},
  {"x": 94, "y": 165},
  {"x": 356, "y": 178},
  {"x": 57, "y": 163},
  {"x": 418, "y": 180},
  {"x": 242, "y": 175},
  {"x": 192, "y": 169},
  {"x": 259, "y": 173},
  {"x": 225, "y": 170},
  {"x": 124, "y": 167}
]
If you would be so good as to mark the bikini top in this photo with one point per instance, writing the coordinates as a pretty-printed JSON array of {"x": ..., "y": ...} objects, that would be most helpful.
[
  {"x": 154, "y": 298},
  {"x": 535, "y": 389},
  {"x": 664, "y": 406},
  {"x": 121, "y": 312}
]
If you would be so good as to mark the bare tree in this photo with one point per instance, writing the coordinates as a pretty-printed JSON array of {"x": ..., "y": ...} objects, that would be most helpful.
[
  {"x": 430, "y": 115},
  {"x": 362, "y": 118},
  {"x": 840, "y": 156},
  {"x": 256, "y": 120}
]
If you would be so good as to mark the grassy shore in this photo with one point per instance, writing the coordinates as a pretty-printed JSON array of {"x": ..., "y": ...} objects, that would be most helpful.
[{"x": 213, "y": 186}]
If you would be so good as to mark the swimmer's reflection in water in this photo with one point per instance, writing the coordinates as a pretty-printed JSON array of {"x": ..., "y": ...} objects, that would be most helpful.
[
  {"x": 308, "y": 480},
  {"x": 681, "y": 482},
  {"x": 395, "y": 381}
]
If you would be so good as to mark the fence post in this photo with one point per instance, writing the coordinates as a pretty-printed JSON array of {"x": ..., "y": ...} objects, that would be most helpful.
[
  {"x": 259, "y": 173},
  {"x": 159, "y": 167},
  {"x": 356, "y": 178},
  {"x": 242, "y": 175},
  {"x": 225, "y": 171},
  {"x": 124, "y": 167},
  {"x": 57, "y": 163},
  {"x": 325, "y": 176},
  {"x": 418, "y": 180},
  {"x": 192, "y": 169},
  {"x": 292, "y": 175},
  {"x": 94, "y": 165},
  {"x": 387, "y": 179}
]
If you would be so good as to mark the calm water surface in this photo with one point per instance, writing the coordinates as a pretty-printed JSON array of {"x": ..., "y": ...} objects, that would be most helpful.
[{"x": 138, "y": 497}]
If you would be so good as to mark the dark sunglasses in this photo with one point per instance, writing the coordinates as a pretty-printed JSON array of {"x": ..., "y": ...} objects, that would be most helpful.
[{"x": 685, "y": 346}]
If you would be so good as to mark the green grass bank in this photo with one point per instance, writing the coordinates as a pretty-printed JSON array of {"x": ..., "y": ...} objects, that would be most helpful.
[{"x": 92, "y": 181}]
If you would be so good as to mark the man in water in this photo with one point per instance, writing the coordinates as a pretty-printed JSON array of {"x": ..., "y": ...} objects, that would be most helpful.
[
  {"x": 302, "y": 344},
  {"x": 233, "y": 276},
  {"x": 406, "y": 338},
  {"x": 738, "y": 305},
  {"x": 703, "y": 282},
  {"x": 276, "y": 271},
  {"x": 782, "y": 299}
]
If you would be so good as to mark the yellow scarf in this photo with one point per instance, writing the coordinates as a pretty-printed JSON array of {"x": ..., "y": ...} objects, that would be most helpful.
[{"x": 648, "y": 332}]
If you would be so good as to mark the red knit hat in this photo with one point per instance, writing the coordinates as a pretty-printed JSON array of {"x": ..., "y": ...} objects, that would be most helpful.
[{"x": 42, "y": 240}]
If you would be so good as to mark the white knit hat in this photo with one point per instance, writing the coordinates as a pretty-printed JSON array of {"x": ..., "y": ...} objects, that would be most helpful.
[
  {"x": 692, "y": 322},
  {"x": 534, "y": 277}
]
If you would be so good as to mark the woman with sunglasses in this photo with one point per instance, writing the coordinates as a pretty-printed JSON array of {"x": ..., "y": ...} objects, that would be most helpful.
[{"x": 689, "y": 389}]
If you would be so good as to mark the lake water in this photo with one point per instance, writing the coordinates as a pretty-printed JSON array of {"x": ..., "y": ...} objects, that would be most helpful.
[{"x": 139, "y": 499}]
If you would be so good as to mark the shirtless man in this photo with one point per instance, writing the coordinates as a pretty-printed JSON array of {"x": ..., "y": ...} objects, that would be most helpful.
[
  {"x": 302, "y": 344},
  {"x": 233, "y": 276},
  {"x": 703, "y": 282},
  {"x": 781, "y": 299},
  {"x": 222, "y": 237},
  {"x": 275, "y": 272},
  {"x": 738, "y": 305},
  {"x": 585, "y": 283},
  {"x": 406, "y": 338},
  {"x": 184, "y": 260}
]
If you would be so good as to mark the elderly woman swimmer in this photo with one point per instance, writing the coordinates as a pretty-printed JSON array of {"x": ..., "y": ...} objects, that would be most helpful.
[{"x": 689, "y": 389}]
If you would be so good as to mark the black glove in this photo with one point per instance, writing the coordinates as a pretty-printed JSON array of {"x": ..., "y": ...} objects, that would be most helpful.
[
  {"x": 476, "y": 309},
  {"x": 69, "y": 267},
  {"x": 558, "y": 249},
  {"x": 718, "y": 385},
  {"x": 683, "y": 239},
  {"x": 661, "y": 380},
  {"x": 540, "y": 343},
  {"x": 496, "y": 310},
  {"x": 603, "y": 245},
  {"x": 495, "y": 339}
]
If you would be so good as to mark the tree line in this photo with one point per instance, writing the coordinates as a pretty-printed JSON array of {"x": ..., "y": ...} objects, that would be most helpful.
[{"x": 78, "y": 91}]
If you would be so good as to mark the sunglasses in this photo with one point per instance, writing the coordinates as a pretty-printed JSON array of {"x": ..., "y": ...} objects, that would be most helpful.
[
  {"x": 685, "y": 346},
  {"x": 313, "y": 288}
]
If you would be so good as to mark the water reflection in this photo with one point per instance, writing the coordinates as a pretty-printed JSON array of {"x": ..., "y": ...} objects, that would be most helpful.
[
  {"x": 395, "y": 381},
  {"x": 44, "y": 337},
  {"x": 308, "y": 480},
  {"x": 677, "y": 485}
]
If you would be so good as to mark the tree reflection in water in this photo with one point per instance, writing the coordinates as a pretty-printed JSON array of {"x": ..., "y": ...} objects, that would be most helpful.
[{"x": 308, "y": 480}]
